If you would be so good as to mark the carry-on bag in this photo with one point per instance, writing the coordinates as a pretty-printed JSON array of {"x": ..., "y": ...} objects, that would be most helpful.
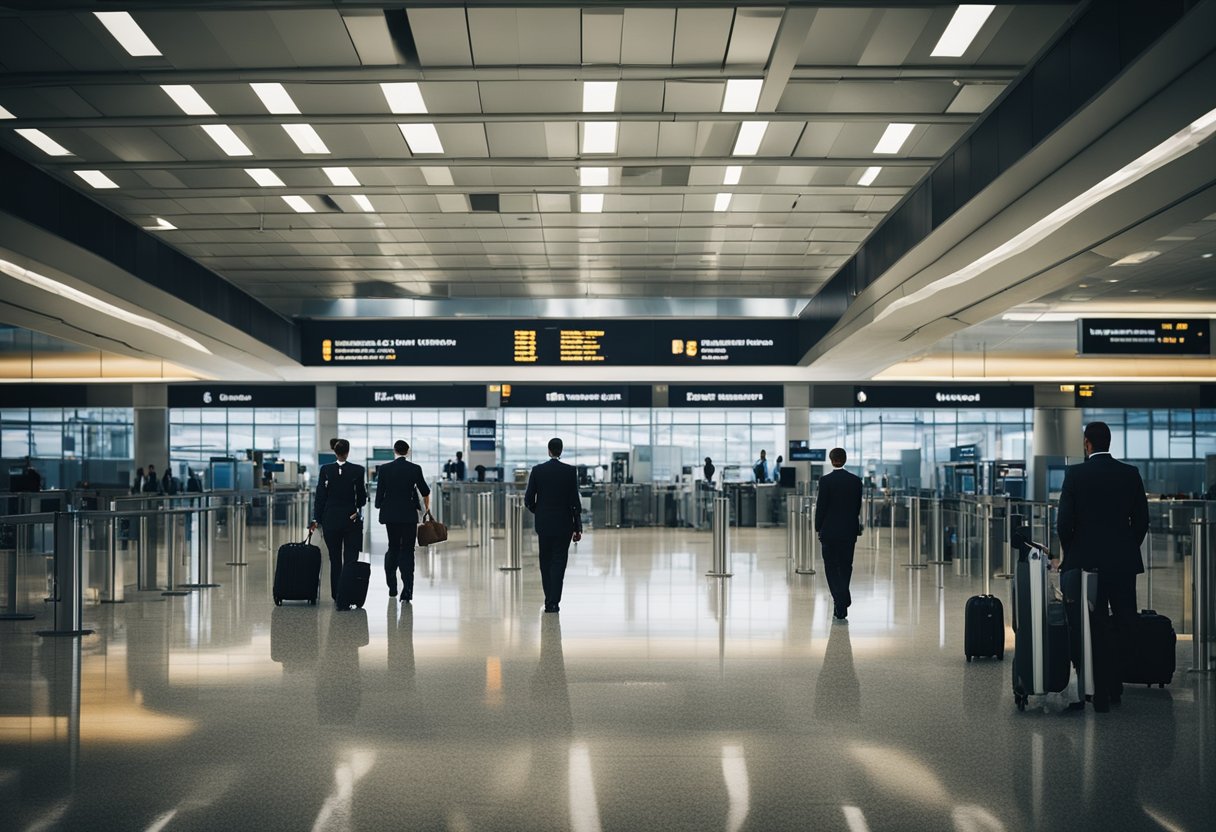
[
  {"x": 297, "y": 572},
  {"x": 1149, "y": 650},
  {"x": 431, "y": 531},
  {"x": 1041, "y": 638},
  {"x": 984, "y": 627},
  {"x": 353, "y": 583}
]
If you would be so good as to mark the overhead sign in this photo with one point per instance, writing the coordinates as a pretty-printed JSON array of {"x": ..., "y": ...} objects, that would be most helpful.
[
  {"x": 1144, "y": 336},
  {"x": 548, "y": 343},
  {"x": 390, "y": 395},
  {"x": 45, "y": 395},
  {"x": 726, "y": 395},
  {"x": 800, "y": 451},
  {"x": 1142, "y": 395},
  {"x": 944, "y": 396},
  {"x": 242, "y": 395},
  {"x": 557, "y": 395},
  {"x": 482, "y": 434}
]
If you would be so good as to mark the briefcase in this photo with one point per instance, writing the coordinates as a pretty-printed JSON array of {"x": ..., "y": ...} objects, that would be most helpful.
[{"x": 431, "y": 531}]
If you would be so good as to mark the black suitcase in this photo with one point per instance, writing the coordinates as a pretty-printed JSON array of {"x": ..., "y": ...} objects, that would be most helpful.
[
  {"x": 984, "y": 627},
  {"x": 1043, "y": 643},
  {"x": 297, "y": 572},
  {"x": 1149, "y": 650},
  {"x": 352, "y": 584}
]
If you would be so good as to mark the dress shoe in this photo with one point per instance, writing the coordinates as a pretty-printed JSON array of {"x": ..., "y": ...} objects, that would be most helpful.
[
  {"x": 405, "y": 599},
  {"x": 551, "y": 608},
  {"x": 392, "y": 592}
]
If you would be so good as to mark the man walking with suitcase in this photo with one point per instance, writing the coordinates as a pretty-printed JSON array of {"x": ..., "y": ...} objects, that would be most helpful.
[
  {"x": 552, "y": 496},
  {"x": 838, "y": 524},
  {"x": 1103, "y": 518},
  {"x": 398, "y": 486},
  {"x": 341, "y": 493}
]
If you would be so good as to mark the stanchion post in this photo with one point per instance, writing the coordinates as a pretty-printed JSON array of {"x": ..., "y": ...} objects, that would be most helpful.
[
  {"x": 204, "y": 553},
  {"x": 1201, "y": 596},
  {"x": 114, "y": 590},
  {"x": 806, "y": 531},
  {"x": 470, "y": 507},
  {"x": 986, "y": 525},
  {"x": 68, "y": 599},
  {"x": 721, "y": 539},
  {"x": 12, "y": 612},
  {"x": 1007, "y": 544},
  {"x": 514, "y": 522},
  {"x": 914, "y": 532}
]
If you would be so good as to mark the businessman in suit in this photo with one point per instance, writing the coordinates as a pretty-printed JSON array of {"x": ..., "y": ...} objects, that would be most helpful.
[
  {"x": 398, "y": 486},
  {"x": 1102, "y": 520},
  {"x": 341, "y": 495},
  {"x": 838, "y": 524},
  {"x": 552, "y": 496}
]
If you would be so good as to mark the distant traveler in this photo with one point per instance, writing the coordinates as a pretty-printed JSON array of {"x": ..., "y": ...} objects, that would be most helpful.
[
  {"x": 447, "y": 469},
  {"x": 169, "y": 484},
  {"x": 552, "y": 496},
  {"x": 838, "y": 524},
  {"x": 193, "y": 482},
  {"x": 398, "y": 485},
  {"x": 760, "y": 468},
  {"x": 775, "y": 475},
  {"x": 709, "y": 470},
  {"x": 1102, "y": 521},
  {"x": 137, "y": 485},
  {"x": 458, "y": 467},
  {"x": 151, "y": 483},
  {"x": 31, "y": 480},
  {"x": 341, "y": 493}
]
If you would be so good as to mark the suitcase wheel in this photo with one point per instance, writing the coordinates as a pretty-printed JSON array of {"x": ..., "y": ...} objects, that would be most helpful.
[{"x": 278, "y": 602}]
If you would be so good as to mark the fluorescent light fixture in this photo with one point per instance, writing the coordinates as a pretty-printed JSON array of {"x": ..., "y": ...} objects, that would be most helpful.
[
  {"x": 422, "y": 138},
  {"x": 733, "y": 172},
  {"x": 162, "y": 224},
  {"x": 1136, "y": 258},
  {"x": 306, "y": 138},
  {"x": 404, "y": 98},
  {"x": 893, "y": 137},
  {"x": 961, "y": 30},
  {"x": 276, "y": 99},
  {"x": 1173, "y": 148},
  {"x": 751, "y": 133},
  {"x": 593, "y": 177},
  {"x": 437, "y": 177},
  {"x": 591, "y": 203},
  {"x": 96, "y": 178},
  {"x": 128, "y": 34},
  {"x": 867, "y": 178},
  {"x": 5, "y": 113},
  {"x": 599, "y": 137},
  {"x": 722, "y": 202},
  {"x": 363, "y": 202},
  {"x": 188, "y": 100},
  {"x": 228, "y": 141},
  {"x": 299, "y": 205},
  {"x": 342, "y": 177},
  {"x": 96, "y": 304},
  {"x": 265, "y": 177},
  {"x": 43, "y": 142},
  {"x": 742, "y": 95},
  {"x": 599, "y": 96}
]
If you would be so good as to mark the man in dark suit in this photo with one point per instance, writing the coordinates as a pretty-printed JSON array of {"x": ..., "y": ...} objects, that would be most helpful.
[
  {"x": 398, "y": 484},
  {"x": 1102, "y": 521},
  {"x": 341, "y": 493},
  {"x": 552, "y": 496},
  {"x": 838, "y": 523},
  {"x": 458, "y": 467}
]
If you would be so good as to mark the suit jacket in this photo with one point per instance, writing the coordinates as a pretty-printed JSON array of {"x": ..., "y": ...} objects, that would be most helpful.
[
  {"x": 340, "y": 493},
  {"x": 552, "y": 496},
  {"x": 1103, "y": 516},
  {"x": 398, "y": 484},
  {"x": 838, "y": 509}
]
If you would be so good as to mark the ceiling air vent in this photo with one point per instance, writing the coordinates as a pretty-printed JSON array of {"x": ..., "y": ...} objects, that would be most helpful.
[{"x": 484, "y": 202}]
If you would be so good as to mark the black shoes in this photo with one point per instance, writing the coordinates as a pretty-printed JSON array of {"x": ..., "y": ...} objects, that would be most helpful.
[
  {"x": 392, "y": 592},
  {"x": 840, "y": 613},
  {"x": 552, "y": 608},
  {"x": 405, "y": 599}
]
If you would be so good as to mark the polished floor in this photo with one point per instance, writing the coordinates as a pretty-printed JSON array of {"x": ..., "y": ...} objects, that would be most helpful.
[{"x": 657, "y": 699}]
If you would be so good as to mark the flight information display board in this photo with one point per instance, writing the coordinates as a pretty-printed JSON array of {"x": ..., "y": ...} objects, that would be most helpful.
[
  {"x": 547, "y": 343},
  {"x": 1144, "y": 336}
]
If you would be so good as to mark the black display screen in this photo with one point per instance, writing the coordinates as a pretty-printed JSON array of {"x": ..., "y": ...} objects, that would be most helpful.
[
  {"x": 945, "y": 396},
  {"x": 1144, "y": 336},
  {"x": 558, "y": 395},
  {"x": 242, "y": 395},
  {"x": 391, "y": 395}
]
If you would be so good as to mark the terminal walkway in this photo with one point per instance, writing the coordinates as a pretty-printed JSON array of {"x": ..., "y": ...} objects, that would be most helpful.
[{"x": 657, "y": 699}]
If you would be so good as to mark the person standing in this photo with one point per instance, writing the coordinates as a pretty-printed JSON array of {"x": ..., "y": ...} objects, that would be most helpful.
[
  {"x": 552, "y": 496},
  {"x": 838, "y": 524},
  {"x": 341, "y": 493},
  {"x": 138, "y": 485},
  {"x": 151, "y": 483},
  {"x": 458, "y": 467},
  {"x": 760, "y": 468},
  {"x": 775, "y": 474},
  {"x": 709, "y": 470},
  {"x": 1102, "y": 521},
  {"x": 398, "y": 486}
]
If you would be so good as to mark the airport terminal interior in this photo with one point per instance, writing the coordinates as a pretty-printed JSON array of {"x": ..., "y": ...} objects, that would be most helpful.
[{"x": 703, "y": 243}]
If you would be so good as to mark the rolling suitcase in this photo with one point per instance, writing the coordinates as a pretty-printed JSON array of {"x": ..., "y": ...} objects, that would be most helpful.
[
  {"x": 297, "y": 572},
  {"x": 984, "y": 627},
  {"x": 1041, "y": 638},
  {"x": 1149, "y": 650},
  {"x": 352, "y": 584}
]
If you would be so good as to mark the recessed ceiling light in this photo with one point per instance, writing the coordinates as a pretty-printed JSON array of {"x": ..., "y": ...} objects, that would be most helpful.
[
  {"x": 893, "y": 137},
  {"x": 742, "y": 95},
  {"x": 265, "y": 177},
  {"x": 599, "y": 96},
  {"x": 722, "y": 202},
  {"x": 96, "y": 178},
  {"x": 188, "y": 100},
  {"x": 751, "y": 133},
  {"x": 228, "y": 141},
  {"x": 342, "y": 177},
  {"x": 306, "y": 138},
  {"x": 5, "y": 113},
  {"x": 593, "y": 177},
  {"x": 128, "y": 34},
  {"x": 1136, "y": 258},
  {"x": 422, "y": 138},
  {"x": 1082, "y": 285},
  {"x": 1134, "y": 291},
  {"x": 962, "y": 29},
  {"x": 161, "y": 225},
  {"x": 869, "y": 176},
  {"x": 599, "y": 137},
  {"x": 363, "y": 202},
  {"x": 733, "y": 172},
  {"x": 404, "y": 97},
  {"x": 276, "y": 99},
  {"x": 437, "y": 177},
  {"x": 43, "y": 142},
  {"x": 591, "y": 203},
  {"x": 1112, "y": 280},
  {"x": 299, "y": 205},
  {"x": 1207, "y": 256}
]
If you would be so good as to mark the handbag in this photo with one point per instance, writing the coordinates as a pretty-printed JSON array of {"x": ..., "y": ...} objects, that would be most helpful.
[{"x": 431, "y": 531}]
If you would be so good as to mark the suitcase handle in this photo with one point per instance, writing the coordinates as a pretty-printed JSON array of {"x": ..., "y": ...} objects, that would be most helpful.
[{"x": 308, "y": 539}]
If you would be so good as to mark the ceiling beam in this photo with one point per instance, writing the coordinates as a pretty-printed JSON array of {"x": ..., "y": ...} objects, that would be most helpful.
[{"x": 237, "y": 162}]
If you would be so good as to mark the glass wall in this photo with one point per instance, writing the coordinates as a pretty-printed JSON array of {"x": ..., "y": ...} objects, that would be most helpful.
[
  {"x": 69, "y": 445},
  {"x": 434, "y": 435},
  {"x": 732, "y": 438},
  {"x": 197, "y": 434},
  {"x": 1169, "y": 446}
]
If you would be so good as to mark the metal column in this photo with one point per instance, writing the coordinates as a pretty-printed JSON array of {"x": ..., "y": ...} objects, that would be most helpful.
[
  {"x": 914, "y": 533},
  {"x": 67, "y": 597},
  {"x": 515, "y": 532},
  {"x": 1201, "y": 596},
  {"x": 721, "y": 539},
  {"x": 807, "y": 539}
]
